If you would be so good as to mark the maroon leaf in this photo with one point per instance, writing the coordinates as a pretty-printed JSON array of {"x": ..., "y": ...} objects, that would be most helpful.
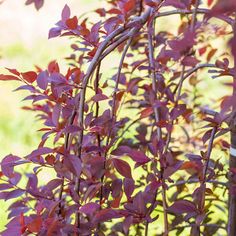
[
  {"x": 72, "y": 23},
  {"x": 99, "y": 97},
  {"x": 182, "y": 206},
  {"x": 56, "y": 114},
  {"x": 122, "y": 167},
  {"x": 73, "y": 163},
  {"x": 8, "y": 77},
  {"x": 29, "y": 76},
  {"x": 89, "y": 208},
  {"x": 106, "y": 214}
]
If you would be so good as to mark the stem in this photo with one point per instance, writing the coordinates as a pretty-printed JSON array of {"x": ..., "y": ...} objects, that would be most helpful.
[
  {"x": 66, "y": 145},
  {"x": 113, "y": 112},
  {"x": 157, "y": 119},
  {"x": 194, "y": 16}
]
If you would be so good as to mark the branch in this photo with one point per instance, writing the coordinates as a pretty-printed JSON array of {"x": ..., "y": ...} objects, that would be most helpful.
[{"x": 66, "y": 145}]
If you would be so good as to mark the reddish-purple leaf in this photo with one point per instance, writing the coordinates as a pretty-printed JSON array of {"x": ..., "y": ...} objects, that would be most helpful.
[
  {"x": 89, "y": 208},
  {"x": 42, "y": 80},
  {"x": 129, "y": 187},
  {"x": 29, "y": 76},
  {"x": 72, "y": 23},
  {"x": 73, "y": 163},
  {"x": 65, "y": 13},
  {"x": 138, "y": 156},
  {"x": 56, "y": 114},
  {"x": 14, "y": 194},
  {"x": 182, "y": 206},
  {"x": 8, "y": 163},
  {"x": 122, "y": 167},
  {"x": 8, "y": 77},
  {"x": 106, "y": 214},
  {"x": 99, "y": 97},
  {"x": 54, "y": 32},
  {"x": 40, "y": 151}
]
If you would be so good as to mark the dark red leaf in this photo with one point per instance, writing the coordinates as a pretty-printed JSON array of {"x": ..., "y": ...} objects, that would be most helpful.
[
  {"x": 72, "y": 23},
  {"x": 35, "y": 225},
  {"x": 129, "y": 5},
  {"x": 8, "y": 77},
  {"x": 146, "y": 112},
  {"x": 29, "y": 76}
]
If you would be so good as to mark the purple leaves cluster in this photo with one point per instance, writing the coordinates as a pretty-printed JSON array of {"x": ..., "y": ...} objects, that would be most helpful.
[{"x": 124, "y": 158}]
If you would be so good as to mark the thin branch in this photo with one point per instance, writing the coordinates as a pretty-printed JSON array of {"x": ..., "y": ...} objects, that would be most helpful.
[
  {"x": 194, "y": 16},
  {"x": 157, "y": 119},
  {"x": 66, "y": 146}
]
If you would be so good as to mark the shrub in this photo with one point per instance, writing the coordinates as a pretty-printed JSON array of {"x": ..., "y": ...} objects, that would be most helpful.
[{"x": 141, "y": 152}]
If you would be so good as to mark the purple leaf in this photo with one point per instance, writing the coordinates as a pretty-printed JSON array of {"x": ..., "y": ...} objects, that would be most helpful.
[
  {"x": 182, "y": 206},
  {"x": 89, "y": 208},
  {"x": 40, "y": 151},
  {"x": 14, "y": 194},
  {"x": 37, "y": 3},
  {"x": 65, "y": 13},
  {"x": 129, "y": 187},
  {"x": 73, "y": 163},
  {"x": 56, "y": 114},
  {"x": 99, "y": 97},
  {"x": 8, "y": 163},
  {"x": 122, "y": 167},
  {"x": 54, "y": 32},
  {"x": 42, "y": 80},
  {"x": 106, "y": 214}
]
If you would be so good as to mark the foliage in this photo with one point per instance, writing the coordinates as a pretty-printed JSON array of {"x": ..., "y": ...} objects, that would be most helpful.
[{"x": 132, "y": 151}]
